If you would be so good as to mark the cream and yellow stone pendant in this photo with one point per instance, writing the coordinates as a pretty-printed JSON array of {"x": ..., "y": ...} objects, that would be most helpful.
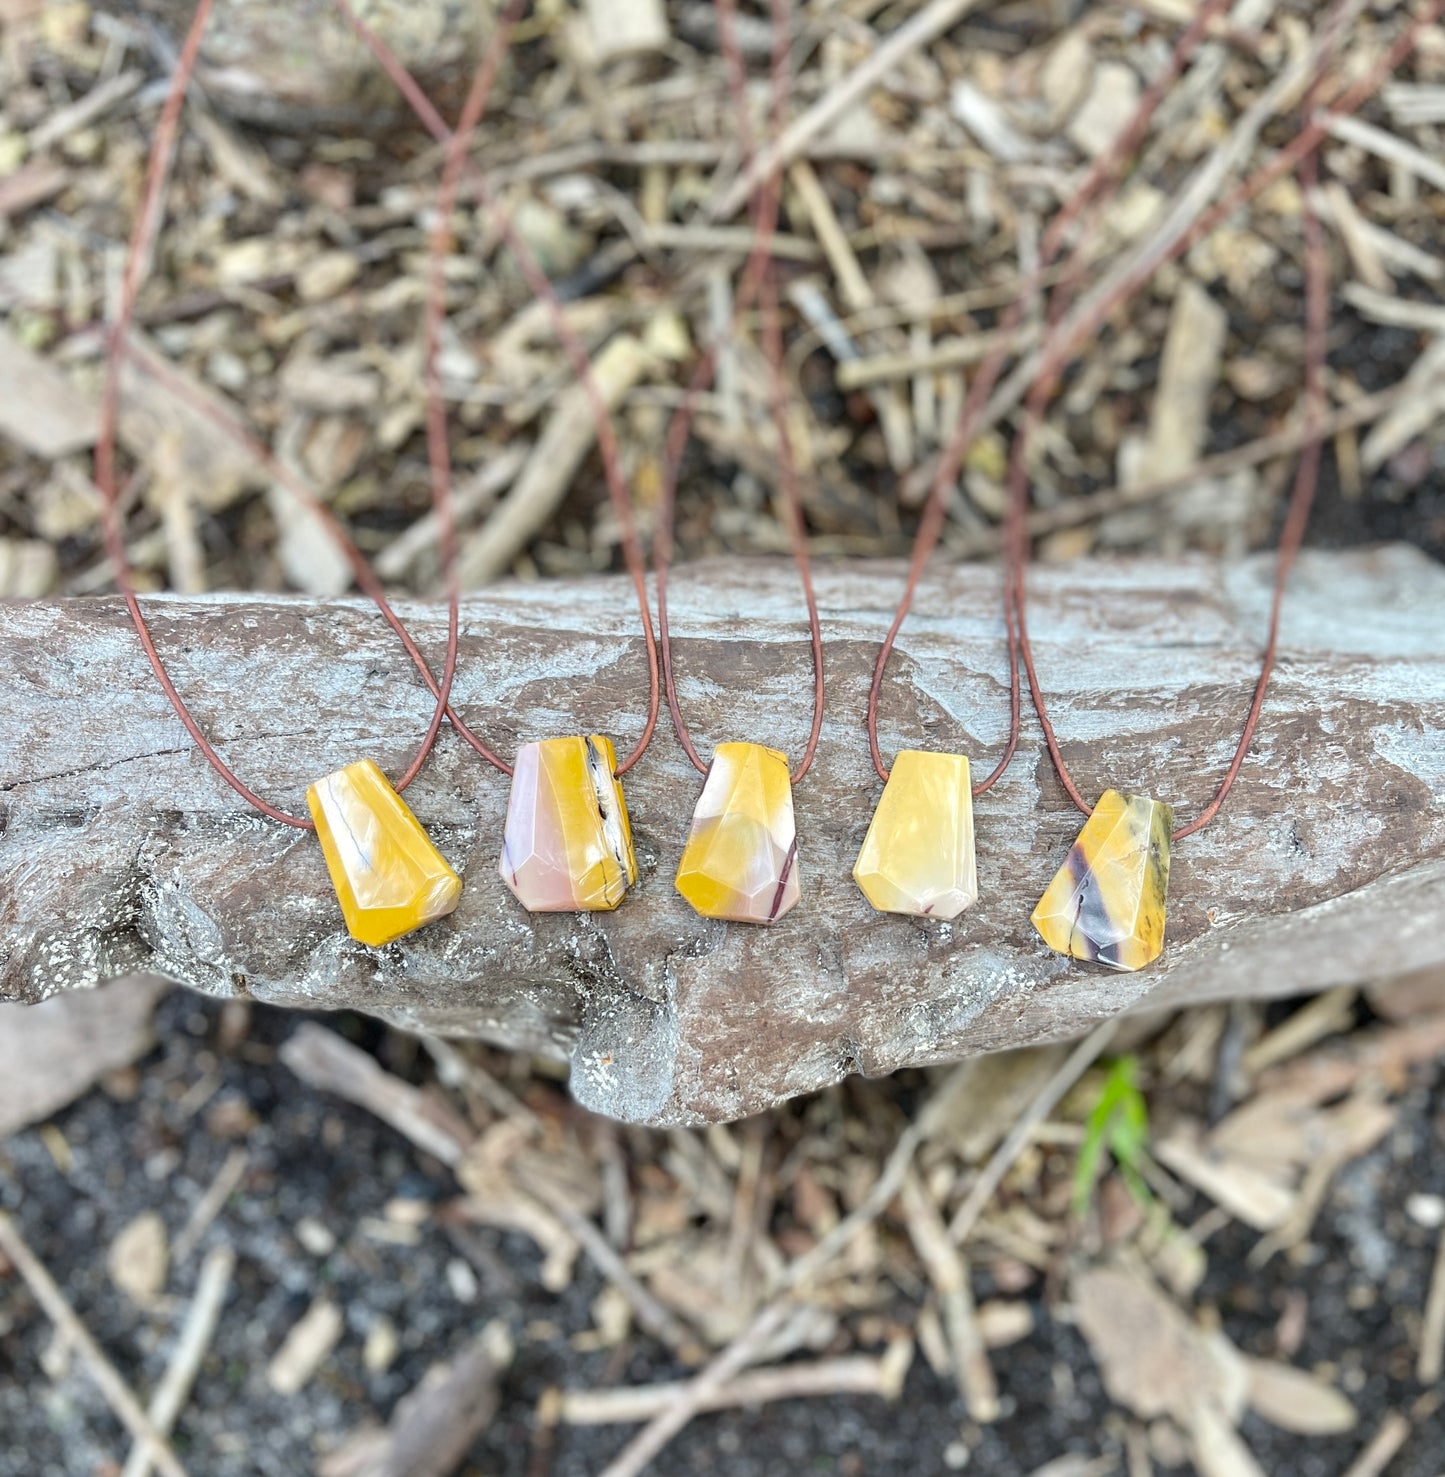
[
  {"x": 741, "y": 857},
  {"x": 1107, "y": 902},
  {"x": 918, "y": 856},
  {"x": 389, "y": 878},
  {"x": 567, "y": 847}
]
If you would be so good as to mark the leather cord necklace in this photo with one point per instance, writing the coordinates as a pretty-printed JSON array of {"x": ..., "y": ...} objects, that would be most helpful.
[
  {"x": 740, "y": 861},
  {"x": 388, "y": 876},
  {"x": 1107, "y": 903},
  {"x": 918, "y": 857},
  {"x": 567, "y": 842}
]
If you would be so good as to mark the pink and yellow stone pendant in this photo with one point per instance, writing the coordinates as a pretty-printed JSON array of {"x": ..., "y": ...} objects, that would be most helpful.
[
  {"x": 1107, "y": 902},
  {"x": 389, "y": 878},
  {"x": 568, "y": 843},
  {"x": 741, "y": 857},
  {"x": 918, "y": 856}
]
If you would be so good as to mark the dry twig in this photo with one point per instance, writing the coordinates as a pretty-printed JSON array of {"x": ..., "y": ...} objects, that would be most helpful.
[
  {"x": 1431, "y": 1363},
  {"x": 950, "y": 1277},
  {"x": 857, "y": 1374},
  {"x": 107, "y": 1378},
  {"x": 1050, "y": 1095},
  {"x": 936, "y": 17},
  {"x": 321, "y": 1058},
  {"x": 211, "y": 1203},
  {"x": 1394, "y": 1432},
  {"x": 650, "y": 1313},
  {"x": 435, "y": 1424},
  {"x": 199, "y": 1329}
]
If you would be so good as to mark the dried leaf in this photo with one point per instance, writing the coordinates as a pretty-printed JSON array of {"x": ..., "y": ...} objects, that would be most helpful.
[
  {"x": 139, "y": 1260},
  {"x": 182, "y": 411},
  {"x": 1409, "y": 996},
  {"x": 1003, "y": 1322},
  {"x": 1188, "y": 376},
  {"x": 40, "y": 408},
  {"x": 330, "y": 384},
  {"x": 1294, "y": 1400},
  {"x": 1111, "y": 102},
  {"x": 31, "y": 185},
  {"x": 1153, "y": 1359},
  {"x": 311, "y": 1339},
  {"x": 309, "y": 555},
  {"x": 988, "y": 123},
  {"x": 1218, "y": 1450},
  {"x": 626, "y": 27},
  {"x": 433, "y": 1426},
  {"x": 1259, "y": 1198},
  {"x": 27, "y": 568},
  {"x": 52, "y": 1052}
]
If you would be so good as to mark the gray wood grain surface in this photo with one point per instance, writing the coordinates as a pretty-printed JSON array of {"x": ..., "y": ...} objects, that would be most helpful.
[{"x": 120, "y": 850}]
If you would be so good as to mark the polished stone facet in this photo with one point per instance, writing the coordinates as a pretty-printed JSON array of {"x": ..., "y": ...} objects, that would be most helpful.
[
  {"x": 741, "y": 857},
  {"x": 567, "y": 847},
  {"x": 1107, "y": 902},
  {"x": 918, "y": 855},
  {"x": 388, "y": 876}
]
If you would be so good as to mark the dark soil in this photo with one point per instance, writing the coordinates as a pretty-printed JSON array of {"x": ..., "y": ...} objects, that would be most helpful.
[{"x": 155, "y": 1140}]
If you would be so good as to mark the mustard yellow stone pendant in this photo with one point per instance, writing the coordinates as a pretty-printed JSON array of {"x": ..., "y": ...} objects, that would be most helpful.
[
  {"x": 389, "y": 878},
  {"x": 568, "y": 843},
  {"x": 741, "y": 857},
  {"x": 1107, "y": 902},
  {"x": 918, "y": 856}
]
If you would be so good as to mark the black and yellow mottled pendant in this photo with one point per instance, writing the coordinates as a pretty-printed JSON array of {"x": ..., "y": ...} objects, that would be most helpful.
[{"x": 1106, "y": 903}]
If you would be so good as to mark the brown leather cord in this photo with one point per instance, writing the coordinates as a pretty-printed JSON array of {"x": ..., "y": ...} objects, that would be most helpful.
[
  {"x": 118, "y": 345},
  {"x": 361, "y": 569},
  {"x": 1300, "y": 502},
  {"x": 765, "y": 206},
  {"x": 366, "y": 578},
  {"x": 772, "y": 335},
  {"x": 1091, "y": 196},
  {"x": 757, "y": 282},
  {"x": 438, "y": 249},
  {"x": 607, "y": 445},
  {"x": 105, "y": 443},
  {"x": 1302, "y": 495}
]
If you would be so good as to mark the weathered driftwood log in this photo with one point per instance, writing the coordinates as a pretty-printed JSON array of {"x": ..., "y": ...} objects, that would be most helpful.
[{"x": 122, "y": 851}]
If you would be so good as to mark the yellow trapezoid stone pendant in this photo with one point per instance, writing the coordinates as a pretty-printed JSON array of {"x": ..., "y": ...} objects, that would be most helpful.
[
  {"x": 1106, "y": 904},
  {"x": 389, "y": 878},
  {"x": 741, "y": 857},
  {"x": 918, "y": 856},
  {"x": 567, "y": 847}
]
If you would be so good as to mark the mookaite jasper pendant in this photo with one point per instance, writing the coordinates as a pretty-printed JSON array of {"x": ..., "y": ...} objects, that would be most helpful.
[
  {"x": 741, "y": 857},
  {"x": 568, "y": 843},
  {"x": 918, "y": 856},
  {"x": 1107, "y": 902},
  {"x": 388, "y": 876}
]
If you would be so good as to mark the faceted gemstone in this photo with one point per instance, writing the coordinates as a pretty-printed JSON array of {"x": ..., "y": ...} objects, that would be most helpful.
[
  {"x": 741, "y": 857},
  {"x": 388, "y": 876},
  {"x": 918, "y": 855},
  {"x": 1107, "y": 902},
  {"x": 568, "y": 843}
]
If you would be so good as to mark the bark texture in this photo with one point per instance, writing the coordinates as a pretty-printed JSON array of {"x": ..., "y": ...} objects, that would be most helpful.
[{"x": 121, "y": 851}]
